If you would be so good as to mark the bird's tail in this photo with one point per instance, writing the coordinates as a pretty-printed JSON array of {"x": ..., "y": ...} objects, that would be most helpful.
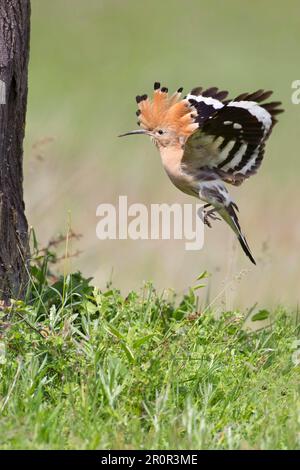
[{"x": 229, "y": 215}]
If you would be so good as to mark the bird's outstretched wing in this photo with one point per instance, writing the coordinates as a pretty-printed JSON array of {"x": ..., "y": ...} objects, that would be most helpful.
[
  {"x": 231, "y": 136},
  {"x": 206, "y": 102}
]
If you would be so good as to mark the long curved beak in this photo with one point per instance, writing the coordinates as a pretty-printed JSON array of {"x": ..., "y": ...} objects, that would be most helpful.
[{"x": 138, "y": 131}]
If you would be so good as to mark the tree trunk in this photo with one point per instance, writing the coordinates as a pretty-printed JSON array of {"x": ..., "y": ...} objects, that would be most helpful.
[{"x": 14, "y": 54}]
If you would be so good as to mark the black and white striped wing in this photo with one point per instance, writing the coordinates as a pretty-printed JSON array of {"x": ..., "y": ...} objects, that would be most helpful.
[
  {"x": 206, "y": 102},
  {"x": 236, "y": 131}
]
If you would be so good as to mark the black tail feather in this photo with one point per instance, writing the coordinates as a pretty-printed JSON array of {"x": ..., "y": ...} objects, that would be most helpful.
[
  {"x": 245, "y": 247},
  {"x": 230, "y": 209}
]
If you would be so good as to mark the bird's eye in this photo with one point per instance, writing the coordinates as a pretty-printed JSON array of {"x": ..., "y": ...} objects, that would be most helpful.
[{"x": 160, "y": 131}]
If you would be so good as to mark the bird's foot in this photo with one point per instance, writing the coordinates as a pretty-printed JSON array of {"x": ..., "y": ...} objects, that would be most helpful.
[{"x": 211, "y": 214}]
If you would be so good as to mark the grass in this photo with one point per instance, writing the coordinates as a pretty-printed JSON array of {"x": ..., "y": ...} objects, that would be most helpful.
[{"x": 83, "y": 368}]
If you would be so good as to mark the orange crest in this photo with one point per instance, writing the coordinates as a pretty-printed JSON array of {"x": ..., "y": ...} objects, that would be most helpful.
[{"x": 164, "y": 111}]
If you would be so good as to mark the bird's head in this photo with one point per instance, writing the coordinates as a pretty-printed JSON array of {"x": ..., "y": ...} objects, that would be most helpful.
[{"x": 168, "y": 120}]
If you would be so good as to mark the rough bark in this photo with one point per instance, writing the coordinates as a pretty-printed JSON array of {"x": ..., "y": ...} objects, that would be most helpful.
[{"x": 14, "y": 54}]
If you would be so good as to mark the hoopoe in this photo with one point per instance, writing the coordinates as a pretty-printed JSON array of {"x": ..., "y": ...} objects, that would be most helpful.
[{"x": 206, "y": 140}]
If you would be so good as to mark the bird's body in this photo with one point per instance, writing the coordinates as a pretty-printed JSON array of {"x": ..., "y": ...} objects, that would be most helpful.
[
  {"x": 205, "y": 142},
  {"x": 172, "y": 162}
]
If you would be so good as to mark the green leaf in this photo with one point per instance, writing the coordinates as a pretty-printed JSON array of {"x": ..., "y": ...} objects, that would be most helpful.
[
  {"x": 114, "y": 331},
  {"x": 261, "y": 315},
  {"x": 140, "y": 341},
  {"x": 199, "y": 286},
  {"x": 203, "y": 275},
  {"x": 91, "y": 308},
  {"x": 128, "y": 352}
]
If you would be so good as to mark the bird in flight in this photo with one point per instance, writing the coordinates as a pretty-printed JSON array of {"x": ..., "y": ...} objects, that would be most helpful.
[{"x": 206, "y": 140}]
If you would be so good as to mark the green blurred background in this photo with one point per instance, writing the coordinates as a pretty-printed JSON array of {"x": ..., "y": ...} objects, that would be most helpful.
[{"x": 89, "y": 58}]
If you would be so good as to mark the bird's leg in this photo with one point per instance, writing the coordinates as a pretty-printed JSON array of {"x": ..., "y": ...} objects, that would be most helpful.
[
  {"x": 212, "y": 214},
  {"x": 209, "y": 214}
]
